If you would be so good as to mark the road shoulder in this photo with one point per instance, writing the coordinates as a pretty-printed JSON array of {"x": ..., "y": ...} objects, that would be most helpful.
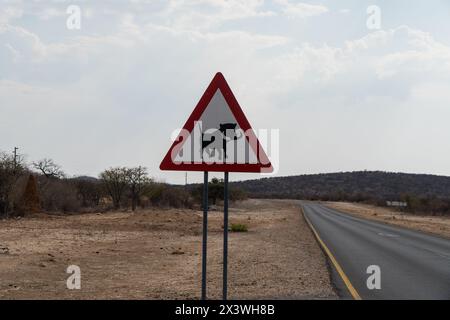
[{"x": 435, "y": 225}]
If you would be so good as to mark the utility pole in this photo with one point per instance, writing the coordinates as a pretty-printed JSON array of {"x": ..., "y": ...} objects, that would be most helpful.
[
  {"x": 185, "y": 179},
  {"x": 15, "y": 158}
]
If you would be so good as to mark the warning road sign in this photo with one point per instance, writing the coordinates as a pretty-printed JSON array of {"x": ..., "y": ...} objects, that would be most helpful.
[{"x": 217, "y": 137}]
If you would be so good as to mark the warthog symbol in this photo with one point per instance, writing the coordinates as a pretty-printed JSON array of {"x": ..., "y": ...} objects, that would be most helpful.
[{"x": 220, "y": 144}]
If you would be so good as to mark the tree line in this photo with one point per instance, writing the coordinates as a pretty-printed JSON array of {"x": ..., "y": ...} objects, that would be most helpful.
[{"x": 43, "y": 186}]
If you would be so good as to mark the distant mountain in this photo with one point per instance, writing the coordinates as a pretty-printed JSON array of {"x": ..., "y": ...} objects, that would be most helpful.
[{"x": 352, "y": 186}]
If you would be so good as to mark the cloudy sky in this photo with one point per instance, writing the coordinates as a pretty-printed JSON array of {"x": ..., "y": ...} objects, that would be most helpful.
[{"x": 344, "y": 96}]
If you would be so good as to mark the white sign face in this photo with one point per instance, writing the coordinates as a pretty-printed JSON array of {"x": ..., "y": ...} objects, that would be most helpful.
[{"x": 217, "y": 137}]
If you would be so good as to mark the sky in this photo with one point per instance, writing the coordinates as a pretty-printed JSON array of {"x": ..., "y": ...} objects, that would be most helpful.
[{"x": 348, "y": 85}]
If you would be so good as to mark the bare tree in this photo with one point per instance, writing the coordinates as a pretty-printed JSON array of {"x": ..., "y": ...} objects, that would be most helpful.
[
  {"x": 11, "y": 167},
  {"x": 89, "y": 191},
  {"x": 49, "y": 168},
  {"x": 138, "y": 181},
  {"x": 115, "y": 183}
]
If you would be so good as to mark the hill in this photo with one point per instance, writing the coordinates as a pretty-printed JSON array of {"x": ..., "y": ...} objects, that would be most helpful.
[{"x": 419, "y": 190}]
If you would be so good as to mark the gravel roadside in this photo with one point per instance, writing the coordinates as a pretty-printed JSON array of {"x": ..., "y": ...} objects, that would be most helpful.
[
  {"x": 156, "y": 254},
  {"x": 438, "y": 225}
]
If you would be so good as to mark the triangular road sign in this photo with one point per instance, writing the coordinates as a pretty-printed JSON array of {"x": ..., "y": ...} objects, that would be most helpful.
[{"x": 217, "y": 137}]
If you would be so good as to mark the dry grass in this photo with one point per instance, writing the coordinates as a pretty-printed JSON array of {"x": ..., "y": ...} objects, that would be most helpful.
[
  {"x": 431, "y": 224},
  {"x": 156, "y": 254}
]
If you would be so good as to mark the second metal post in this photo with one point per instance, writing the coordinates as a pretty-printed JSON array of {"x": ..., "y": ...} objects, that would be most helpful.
[
  {"x": 205, "y": 232},
  {"x": 225, "y": 236}
]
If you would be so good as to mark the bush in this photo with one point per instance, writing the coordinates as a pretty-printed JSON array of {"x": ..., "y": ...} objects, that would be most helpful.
[
  {"x": 58, "y": 195},
  {"x": 216, "y": 190},
  {"x": 89, "y": 191},
  {"x": 169, "y": 196},
  {"x": 237, "y": 227},
  {"x": 11, "y": 169},
  {"x": 237, "y": 194}
]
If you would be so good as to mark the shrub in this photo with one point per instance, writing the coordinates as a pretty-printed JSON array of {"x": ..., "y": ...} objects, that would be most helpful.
[
  {"x": 216, "y": 190},
  {"x": 89, "y": 191},
  {"x": 169, "y": 196},
  {"x": 237, "y": 227},
  {"x": 58, "y": 195},
  {"x": 11, "y": 169}
]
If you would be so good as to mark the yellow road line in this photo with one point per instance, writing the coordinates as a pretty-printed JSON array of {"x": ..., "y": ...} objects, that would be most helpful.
[{"x": 341, "y": 272}]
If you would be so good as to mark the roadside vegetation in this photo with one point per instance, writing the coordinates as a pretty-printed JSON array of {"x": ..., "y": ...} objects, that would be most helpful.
[
  {"x": 216, "y": 191},
  {"x": 238, "y": 227},
  {"x": 43, "y": 186},
  {"x": 424, "y": 194}
]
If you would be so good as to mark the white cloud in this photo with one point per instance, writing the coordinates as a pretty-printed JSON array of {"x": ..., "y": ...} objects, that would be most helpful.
[
  {"x": 23, "y": 42},
  {"x": 402, "y": 51},
  {"x": 301, "y": 9},
  {"x": 207, "y": 14},
  {"x": 50, "y": 12},
  {"x": 9, "y": 13},
  {"x": 423, "y": 56}
]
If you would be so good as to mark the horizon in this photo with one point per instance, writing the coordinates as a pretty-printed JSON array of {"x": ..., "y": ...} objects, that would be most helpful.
[
  {"x": 287, "y": 176},
  {"x": 329, "y": 173}
]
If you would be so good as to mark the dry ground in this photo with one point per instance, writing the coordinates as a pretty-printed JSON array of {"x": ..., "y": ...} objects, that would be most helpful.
[
  {"x": 432, "y": 224},
  {"x": 156, "y": 254}
]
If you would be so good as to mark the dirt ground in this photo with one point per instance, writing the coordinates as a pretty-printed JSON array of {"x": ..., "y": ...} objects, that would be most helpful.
[
  {"x": 156, "y": 254},
  {"x": 432, "y": 224}
]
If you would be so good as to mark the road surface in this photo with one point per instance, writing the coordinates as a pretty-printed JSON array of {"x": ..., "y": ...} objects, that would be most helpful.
[{"x": 413, "y": 265}]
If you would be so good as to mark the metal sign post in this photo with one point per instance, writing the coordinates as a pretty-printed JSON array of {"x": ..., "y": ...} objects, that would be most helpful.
[
  {"x": 205, "y": 232},
  {"x": 225, "y": 236},
  {"x": 212, "y": 129}
]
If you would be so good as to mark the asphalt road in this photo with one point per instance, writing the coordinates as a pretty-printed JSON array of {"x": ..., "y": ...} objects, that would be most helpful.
[{"x": 413, "y": 265}]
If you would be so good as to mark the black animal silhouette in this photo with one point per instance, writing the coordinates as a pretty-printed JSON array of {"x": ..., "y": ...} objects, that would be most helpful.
[{"x": 212, "y": 145}]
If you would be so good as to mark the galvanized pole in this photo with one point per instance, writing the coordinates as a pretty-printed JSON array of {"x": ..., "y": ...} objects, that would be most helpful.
[
  {"x": 225, "y": 236},
  {"x": 205, "y": 232}
]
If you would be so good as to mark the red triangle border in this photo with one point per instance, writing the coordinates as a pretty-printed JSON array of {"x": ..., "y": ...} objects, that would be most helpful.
[{"x": 219, "y": 83}]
